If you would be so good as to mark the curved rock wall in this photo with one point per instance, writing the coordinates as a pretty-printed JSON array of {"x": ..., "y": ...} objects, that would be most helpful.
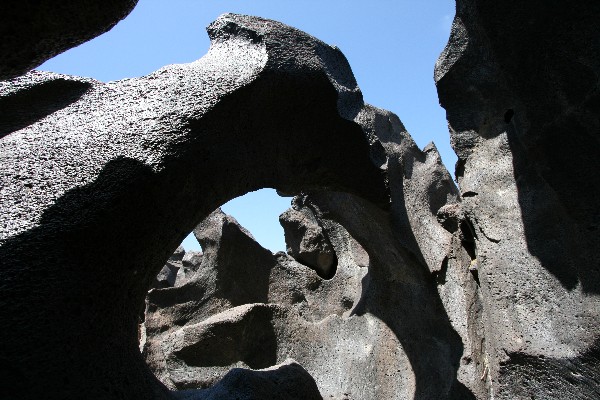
[
  {"x": 406, "y": 286},
  {"x": 101, "y": 182},
  {"x": 519, "y": 83}
]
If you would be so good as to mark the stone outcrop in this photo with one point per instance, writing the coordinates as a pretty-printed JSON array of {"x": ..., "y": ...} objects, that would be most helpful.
[
  {"x": 520, "y": 86},
  {"x": 101, "y": 181},
  {"x": 376, "y": 328},
  {"x": 34, "y": 31},
  {"x": 396, "y": 284},
  {"x": 307, "y": 242}
]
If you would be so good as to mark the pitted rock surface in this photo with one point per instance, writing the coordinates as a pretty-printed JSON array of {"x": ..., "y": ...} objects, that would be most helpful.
[
  {"x": 376, "y": 329},
  {"x": 99, "y": 183},
  {"x": 487, "y": 291},
  {"x": 520, "y": 86}
]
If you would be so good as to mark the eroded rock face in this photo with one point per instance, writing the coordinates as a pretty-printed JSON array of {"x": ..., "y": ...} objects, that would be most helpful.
[
  {"x": 248, "y": 308},
  {"x": 375, "y": 329},
  {"x": 307, "y": 242},
  {"x": 101, "y": 182},
  {"x": 490, "y": 293},
  {"x": 519, "y": 83},
  {"x": 34, "y": 31}
]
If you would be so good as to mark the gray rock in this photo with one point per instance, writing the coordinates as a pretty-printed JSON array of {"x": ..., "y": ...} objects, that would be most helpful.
[
  {"x": 307, "y": 242},
  {"x": 190, "y": 263},
  {"x": 178, "y": 254},
  {"x": 166, "y": 276},
  {"x": 490, "y": 291},
  {"x": 519, "y": 83},
  {"x": 101, "y": 182},
  {"x": 286, "y": 381},
  {"x": 265, "y": 298},
  {"x": 366, "y": 333},
  {"x": 35, "y": 31}
]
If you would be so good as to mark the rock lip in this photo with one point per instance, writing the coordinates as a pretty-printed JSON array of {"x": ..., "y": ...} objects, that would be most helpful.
[{"x": 285, "y": 381}]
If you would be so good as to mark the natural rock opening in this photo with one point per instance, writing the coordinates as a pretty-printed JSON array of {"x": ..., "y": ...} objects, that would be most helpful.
[{"x": 94, "y": 203}]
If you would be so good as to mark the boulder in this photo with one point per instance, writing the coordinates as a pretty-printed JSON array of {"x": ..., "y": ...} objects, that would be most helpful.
[{"x": 307, "y": 242}]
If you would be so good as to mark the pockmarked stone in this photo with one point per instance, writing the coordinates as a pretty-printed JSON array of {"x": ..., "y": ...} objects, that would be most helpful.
[{"x": 100, "y": 182}]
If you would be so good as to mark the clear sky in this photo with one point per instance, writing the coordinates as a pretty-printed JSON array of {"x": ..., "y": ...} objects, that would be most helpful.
[{"x": 391, "y": 45}]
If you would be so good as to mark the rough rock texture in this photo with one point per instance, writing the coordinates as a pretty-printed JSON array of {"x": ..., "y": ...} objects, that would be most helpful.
[
  {"x": 487, "y": 292},
  {"x": 307, "y": 242},
  {"x": 286, "y": 381},
  {"x": 99, "y": 183},
  {"x": 377, "y": 329},
  {"x": 520, "y": 84},
  {"x": 246, "y": 307},
  {"x": 33, "y": 31}
]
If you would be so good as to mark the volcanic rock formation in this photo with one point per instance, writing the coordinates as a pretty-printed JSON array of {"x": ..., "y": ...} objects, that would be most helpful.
[
  {"x": 397, "y": 284},
  {"x": 33, "y": 31},
  {"x": 101, "y": 182},
  {"x": 520, "y": 84}
]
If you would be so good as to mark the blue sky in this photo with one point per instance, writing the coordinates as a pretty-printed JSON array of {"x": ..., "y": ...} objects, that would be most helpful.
[{"x": 391, "y": 45}]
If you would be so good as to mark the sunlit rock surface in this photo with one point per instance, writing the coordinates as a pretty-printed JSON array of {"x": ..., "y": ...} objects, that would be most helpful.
[{"x": 397, "y": 283}]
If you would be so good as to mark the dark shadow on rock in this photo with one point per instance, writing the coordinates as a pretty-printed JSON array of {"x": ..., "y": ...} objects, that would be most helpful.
[
  {"x": 249, "y": 338},
  {"x": 559, "y": 206},
  {"x": 287, "y": 381},
  {"x": 27, "y": 106},
  {"x": 552, "y": 64},
  {"x": 80, "y": 293},
  {"x": 34, "y": 31},
  {"x": 399, "y": 290},
  {"x": 565, "y": 378}
]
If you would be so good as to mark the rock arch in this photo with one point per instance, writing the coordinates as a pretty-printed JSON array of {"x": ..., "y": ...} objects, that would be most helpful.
[{"x": 101, "y": 191}]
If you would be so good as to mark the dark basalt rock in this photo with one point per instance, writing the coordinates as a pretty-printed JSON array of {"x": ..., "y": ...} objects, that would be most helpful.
[
  {"x": 307, "y": 242},
  {"x": 286, "y": 381},
  {"x": 98, "y": 190},
  {"x": 486, "y": 291},
  {"x": 34, "y": 31},
  {"x": 385, "y": 323},
  {"x": 520, "y": 84}
]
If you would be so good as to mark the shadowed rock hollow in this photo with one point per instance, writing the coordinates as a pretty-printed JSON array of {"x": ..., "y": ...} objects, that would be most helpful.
[{"x": 397, "y": 284}]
